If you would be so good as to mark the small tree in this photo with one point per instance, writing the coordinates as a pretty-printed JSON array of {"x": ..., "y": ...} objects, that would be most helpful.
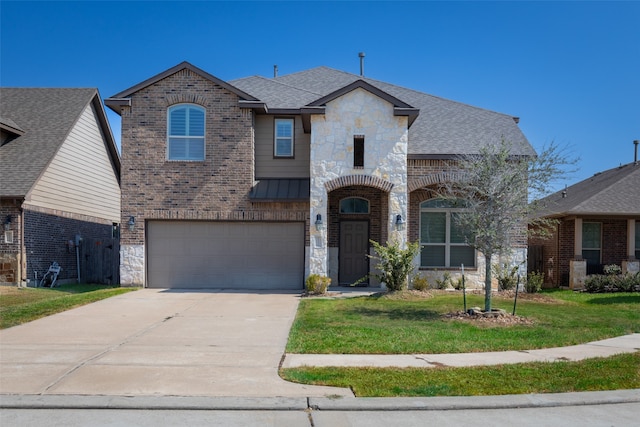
[
  {"x": 395, "y": 264},
  {"x": 495, "y": 186}
]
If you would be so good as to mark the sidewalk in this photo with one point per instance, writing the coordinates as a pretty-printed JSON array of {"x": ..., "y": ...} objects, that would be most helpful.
[{"x": 604, "y": 348}]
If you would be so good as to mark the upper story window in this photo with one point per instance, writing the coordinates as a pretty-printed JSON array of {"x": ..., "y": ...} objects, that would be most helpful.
[
  {"x": 358, "y": 151},
  {"x": 442, "y": 241},
  {"x": 283, "y": 138},
  {"x": 186, "y": 124},
  {"x": 354, "y": 205}
]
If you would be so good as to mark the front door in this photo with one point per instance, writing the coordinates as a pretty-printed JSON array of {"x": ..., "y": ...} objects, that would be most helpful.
[{"x": 354, "y": 247}]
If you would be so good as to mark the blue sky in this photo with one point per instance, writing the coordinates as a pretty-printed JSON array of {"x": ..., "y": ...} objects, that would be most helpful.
[{"x": 569, "y": 70}]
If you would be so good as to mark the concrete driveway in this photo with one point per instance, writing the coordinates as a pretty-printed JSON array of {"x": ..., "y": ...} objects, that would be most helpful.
[{"x": 158, "y": 342}]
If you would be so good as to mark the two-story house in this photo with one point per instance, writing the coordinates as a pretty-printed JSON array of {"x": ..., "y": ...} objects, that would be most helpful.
[{"x": 258, "y": 182}]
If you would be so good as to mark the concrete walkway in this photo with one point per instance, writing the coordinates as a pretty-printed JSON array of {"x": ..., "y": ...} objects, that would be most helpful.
[{"x": 604, "y": 348}]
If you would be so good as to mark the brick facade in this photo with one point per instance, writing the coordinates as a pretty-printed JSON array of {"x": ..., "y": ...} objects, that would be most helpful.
[
  {"x": 378, "y": 204},
  {"x": 214, "y": 189},
  {"x": 558, "y": 249},
  {"x": 10, "y": 252},
  {"x": 46, "y": 240}
]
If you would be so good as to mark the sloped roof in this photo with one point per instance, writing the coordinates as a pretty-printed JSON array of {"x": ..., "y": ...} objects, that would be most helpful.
[
  {"x": 121, "y": 98},
  {"x": 612, "y": 192},
  {"x": 443, "y": 128},
  {"x": 45, "y": 116}
]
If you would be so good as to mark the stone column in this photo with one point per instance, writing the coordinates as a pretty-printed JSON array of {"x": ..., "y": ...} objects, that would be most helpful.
[
  {"x": 318, "y": 249},
  {"x": 577, "y": 273},
  {"x": 577, "y": 246}
]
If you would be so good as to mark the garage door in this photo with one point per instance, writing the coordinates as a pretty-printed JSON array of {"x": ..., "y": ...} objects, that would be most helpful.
[{"x": 222, "y": 255}]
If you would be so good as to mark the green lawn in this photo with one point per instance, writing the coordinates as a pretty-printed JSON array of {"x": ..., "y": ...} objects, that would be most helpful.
[
  {"x": 385, "y": 325},
  {"x": 613, "y": 373},
  {"x": 390, "y": 324},
  {"x": 21, "y": 305}
]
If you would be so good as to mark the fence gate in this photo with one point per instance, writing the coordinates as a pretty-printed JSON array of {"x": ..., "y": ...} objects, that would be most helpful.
[
  {"x": 535, "y": 259},
  {"x": 100, "y": 261}
]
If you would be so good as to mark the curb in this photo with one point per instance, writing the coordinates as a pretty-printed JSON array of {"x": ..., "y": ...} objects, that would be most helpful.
[{"x": 320, "y": 404}]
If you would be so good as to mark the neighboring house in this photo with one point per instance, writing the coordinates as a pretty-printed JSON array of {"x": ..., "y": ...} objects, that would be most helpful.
[
  {"x": 258, "y": 182},
  {"x": 59, "y": 179},
  {"x": 598, "y": 223}
]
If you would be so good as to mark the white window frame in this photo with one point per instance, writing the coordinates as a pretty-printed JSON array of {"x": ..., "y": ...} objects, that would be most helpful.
[
  {"x": 447, "y": 244},
  {"x": 277, "y": 138},
  {"x": 194, "y": 138}
]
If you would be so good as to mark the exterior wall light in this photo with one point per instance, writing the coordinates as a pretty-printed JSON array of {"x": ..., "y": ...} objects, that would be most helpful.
[
  {"x": 319, "y": 225},
  {"x": 7, "y": 222},
  {"x": 399, "y": 222},
  {"x": 132, "y": 223}
]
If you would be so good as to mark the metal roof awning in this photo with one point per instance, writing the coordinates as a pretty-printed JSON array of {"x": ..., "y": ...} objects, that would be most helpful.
[{"x": 280, "y": 190}]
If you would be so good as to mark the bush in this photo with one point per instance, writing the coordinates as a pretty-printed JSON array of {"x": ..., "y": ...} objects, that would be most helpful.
[
  {"x": 317, "y": 284},
  {"x": 444, "y": 282},
  {"x": 420, "y": 283},
  {"x": 612, "y": 283},
  {"x": 395, "y": 264},
  {"x": 457, "y": 284},
  {"x": 612, "y": 269},
  {"x": 507, "y": 276},
  {"x": 535, "y": 279}
]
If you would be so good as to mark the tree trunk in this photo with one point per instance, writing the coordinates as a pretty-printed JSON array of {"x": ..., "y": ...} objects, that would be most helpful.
[{"x": 487, "y": 283}]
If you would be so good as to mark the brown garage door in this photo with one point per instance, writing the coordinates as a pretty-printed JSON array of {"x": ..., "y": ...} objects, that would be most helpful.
[{"x": 222, "y": 255}]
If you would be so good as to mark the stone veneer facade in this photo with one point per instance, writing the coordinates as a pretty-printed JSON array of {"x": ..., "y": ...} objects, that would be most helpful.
[{"x": 358, "y": 112}]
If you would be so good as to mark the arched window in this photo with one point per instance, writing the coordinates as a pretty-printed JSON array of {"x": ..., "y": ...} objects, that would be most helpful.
[
  {"x": 185, "y": 132},
  {"x": 354, "y": 205},
  {"x": 442, "y": 242}
]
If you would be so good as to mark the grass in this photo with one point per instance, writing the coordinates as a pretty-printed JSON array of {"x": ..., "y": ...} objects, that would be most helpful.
[
  {"x": 613, "y": 373},
  {"x": 21, "y": 305},
  {"x": 405, "y": 324},
  {"x": 384, "y": 325}
]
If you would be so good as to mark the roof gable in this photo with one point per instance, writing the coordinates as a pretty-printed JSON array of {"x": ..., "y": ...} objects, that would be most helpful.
[
  {"x": 46, "y": 117},
  {"x": 444, "y": 128},
  {"x": 123, "y": 98}
]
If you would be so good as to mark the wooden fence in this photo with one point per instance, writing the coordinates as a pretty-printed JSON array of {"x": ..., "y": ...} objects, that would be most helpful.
[{"x": 100, "y": 261}]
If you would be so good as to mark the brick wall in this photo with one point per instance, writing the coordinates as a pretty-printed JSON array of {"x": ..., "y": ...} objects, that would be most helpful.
[
  {"x": 10, "y": 252},
  {"x": 614, "y": 241},
  {"x": 377, "y": 217},
  {"x": 46, "y": 238}
]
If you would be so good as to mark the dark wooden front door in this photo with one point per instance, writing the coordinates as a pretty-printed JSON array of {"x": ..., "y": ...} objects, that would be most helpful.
[{"x": 354, "y": 247}]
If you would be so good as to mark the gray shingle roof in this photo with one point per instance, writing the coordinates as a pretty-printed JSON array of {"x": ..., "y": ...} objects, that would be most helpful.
[
  {"x": 46, "y": 115},
  {"x": 443, "y": 127},
  {"x": 612, "y": 192}
]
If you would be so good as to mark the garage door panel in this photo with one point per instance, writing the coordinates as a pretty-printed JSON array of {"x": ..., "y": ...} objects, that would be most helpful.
[{"x": 247, "y": 255}]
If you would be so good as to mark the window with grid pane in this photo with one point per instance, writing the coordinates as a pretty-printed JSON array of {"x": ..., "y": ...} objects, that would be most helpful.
[
  {"x": 591, "y": 242},
  {"x": 442, "y": 241},
  {"x": 186, "y": 132},
  {"x": 283, "y": 138}
]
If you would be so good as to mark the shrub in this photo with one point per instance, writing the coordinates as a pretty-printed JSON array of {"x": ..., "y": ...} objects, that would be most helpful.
[
  {"x": 457, "y": 284},
  {"x": 612, "y": 283},
  {"x": 317, "y": 284},
  {"x": 612, "y": 269},
  {"x": 507, "y": 276},
  {"x": 444, "y": 282},
  {"x": 535, "y": 279},
  {"x": 595, "y": 283},
  {"x": 420, "y": 283},
  {"x": 395, "y": 264}
]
